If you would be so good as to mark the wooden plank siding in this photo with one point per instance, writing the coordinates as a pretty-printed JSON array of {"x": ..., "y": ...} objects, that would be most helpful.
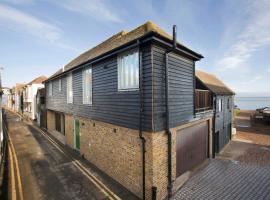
[
  {"x": 109, "y": 104},
  {"x": 223, "y": 119},
  {"x": 181, "y": 89},
  {"x": 122, "y": 107}
]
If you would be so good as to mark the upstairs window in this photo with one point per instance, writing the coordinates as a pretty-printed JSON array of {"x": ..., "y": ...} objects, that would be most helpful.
[
  {"x": 219, "y": 105},
  {"x": 60, "y": 85},
  {"x": 128, "y": 71},
  {"x": 50, "y": 88},
  {"x": 87, "y": 86},
  {"x": 69, "y": 89}
]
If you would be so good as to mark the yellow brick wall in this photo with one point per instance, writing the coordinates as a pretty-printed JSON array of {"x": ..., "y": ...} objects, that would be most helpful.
[
  {"x": 50, "y": 120},
  {"x": 117, "y": 151},
  {"x": 69, "y": 130}
]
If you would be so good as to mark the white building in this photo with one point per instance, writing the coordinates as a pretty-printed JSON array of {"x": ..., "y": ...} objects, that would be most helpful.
[{"x": 29, "y": 96}]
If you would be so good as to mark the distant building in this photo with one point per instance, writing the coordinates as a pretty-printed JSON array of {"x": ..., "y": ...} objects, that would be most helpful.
[
  {"x": 6, "y": 97},
  {"x": 18, "y": 97},
  {"x": 29, "y": 96},
  {"x": 41, "y": 114},
  {"x": 222, "y": 99}
]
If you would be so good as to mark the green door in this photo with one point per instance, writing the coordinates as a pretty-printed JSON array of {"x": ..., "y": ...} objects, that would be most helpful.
[{"x": 77, "y": 133}]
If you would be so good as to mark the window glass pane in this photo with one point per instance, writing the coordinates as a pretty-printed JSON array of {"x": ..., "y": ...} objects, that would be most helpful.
[
  {"x": 69, "y": 89},
  {"x": 87, "y": 86},
  {"x": 128, "y": 71},
  {"x": 60, "y": 84}
]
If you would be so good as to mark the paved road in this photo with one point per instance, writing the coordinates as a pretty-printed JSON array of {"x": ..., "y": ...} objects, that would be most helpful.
[
  {"x": 242, "y": 170},
  {"x": 46, "y": 173},
  {"x": 225, "y": 179}
]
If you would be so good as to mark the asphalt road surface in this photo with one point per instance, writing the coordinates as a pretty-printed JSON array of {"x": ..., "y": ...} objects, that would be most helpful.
[{"x": 45, "y": 171}]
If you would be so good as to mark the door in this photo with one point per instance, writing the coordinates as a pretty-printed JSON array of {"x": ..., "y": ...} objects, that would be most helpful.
[
  {"x": 192, "y": 147},
  {"x": 77, "y": 134}
]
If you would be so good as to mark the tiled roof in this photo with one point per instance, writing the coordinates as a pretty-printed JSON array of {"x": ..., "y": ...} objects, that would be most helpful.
[
  {"x": 38, "y": 80},
  {"x": 115, "y": 41},
  {"x": 213, "y": 83}
]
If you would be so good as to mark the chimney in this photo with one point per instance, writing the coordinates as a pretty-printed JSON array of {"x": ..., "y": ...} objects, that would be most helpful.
[{"x": 174, "y": 36}]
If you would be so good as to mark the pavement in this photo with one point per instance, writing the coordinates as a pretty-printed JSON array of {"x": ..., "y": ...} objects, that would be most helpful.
[
  {"x": 51, "y": 171},
  {"x": 240, "y": 172}
]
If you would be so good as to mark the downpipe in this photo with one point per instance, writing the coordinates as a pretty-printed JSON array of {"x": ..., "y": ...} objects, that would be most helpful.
[
  {"x": 141, "y": 118},
  {"x": 168, "y": 131},
  {"x": 214, "y": 127}
]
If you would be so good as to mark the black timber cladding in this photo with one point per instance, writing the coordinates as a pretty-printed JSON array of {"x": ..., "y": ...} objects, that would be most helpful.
[
  {"x": 181, "y": 88},
  {"x": 109, "y": 104},
  {"x": 122, "y": 108},
  {"x": 223, "y": 120}
]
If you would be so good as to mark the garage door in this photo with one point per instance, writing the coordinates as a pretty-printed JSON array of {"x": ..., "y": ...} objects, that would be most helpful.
[{"x": 191, "y": 147}]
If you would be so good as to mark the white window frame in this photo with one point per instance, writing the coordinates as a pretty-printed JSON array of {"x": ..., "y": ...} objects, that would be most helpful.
[
  {"x": 131, "y": 82},
  {"x": 50, "y": 89},
  {"x": 87, "y": 97},
  {"x": 60, "y": 85},
  {"x": 69, "y": 88}
]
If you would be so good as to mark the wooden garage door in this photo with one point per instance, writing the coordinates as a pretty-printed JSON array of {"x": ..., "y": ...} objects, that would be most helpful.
[{"x": 191, "y": 147}]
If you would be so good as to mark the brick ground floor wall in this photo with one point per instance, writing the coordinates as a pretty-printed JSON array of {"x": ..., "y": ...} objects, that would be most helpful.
[
  {"x": 117, "y": 151},
  {"x": 50, "y": 120},
  {"x": 69, "y": 130}
]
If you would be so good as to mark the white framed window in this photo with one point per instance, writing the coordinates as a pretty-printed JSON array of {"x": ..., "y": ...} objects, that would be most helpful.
[
  {"x": 50, "y": 88},
  {"x": 87, "y": 86},
  {"x": 60, "y": 85},
  {"x": 219, "y": 105},
  {"x": 128, "y": 70},
  {"x": 69, "y": 89}
]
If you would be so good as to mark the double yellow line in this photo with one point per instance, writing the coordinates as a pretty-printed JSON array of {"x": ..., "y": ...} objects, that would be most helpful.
[
  {"x": 103, "y": 188},
  {"x": 14, "y": 161}
]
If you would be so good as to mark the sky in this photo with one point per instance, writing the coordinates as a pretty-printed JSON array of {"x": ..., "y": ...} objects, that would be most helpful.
[{"x": 37, "y": 37}]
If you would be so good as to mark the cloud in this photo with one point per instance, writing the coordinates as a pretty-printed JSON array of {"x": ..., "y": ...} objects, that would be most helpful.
[
  {"x": 254, "y": 36},
  {"x": 21, "y": 21},
  {"x": 19, "y": 1},
  {"x": 98, "y": 9},
  {"x": 252, "y": 80}
]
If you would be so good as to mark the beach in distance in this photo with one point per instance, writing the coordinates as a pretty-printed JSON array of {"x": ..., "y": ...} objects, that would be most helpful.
[{"x": 252, "y": 103}]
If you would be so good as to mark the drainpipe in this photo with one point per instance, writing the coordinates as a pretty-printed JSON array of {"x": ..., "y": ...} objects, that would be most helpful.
[
  {"x": 214, "y": 126},
  {"x": 141, "y": 118},
  {"x": 168, "y": 131}
]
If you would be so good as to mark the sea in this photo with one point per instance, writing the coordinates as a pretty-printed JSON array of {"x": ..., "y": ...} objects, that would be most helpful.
[{"x": 251, "y": 103}]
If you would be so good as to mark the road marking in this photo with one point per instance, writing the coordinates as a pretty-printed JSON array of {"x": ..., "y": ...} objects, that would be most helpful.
[
  {"x": 16, "y": 164},
  {"x": 78, "y": 165},
  {"x": 13, "y": 188}
]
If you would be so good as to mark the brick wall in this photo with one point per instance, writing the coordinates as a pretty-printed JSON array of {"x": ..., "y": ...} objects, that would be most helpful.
[
  {"x": 69, "y": 130},
  {"x": 117, "y": 151},
  {"x": 50, "y": 120}
]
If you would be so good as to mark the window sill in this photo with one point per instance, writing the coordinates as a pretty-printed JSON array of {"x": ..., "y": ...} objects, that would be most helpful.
[{"x": 128, "y": 90}]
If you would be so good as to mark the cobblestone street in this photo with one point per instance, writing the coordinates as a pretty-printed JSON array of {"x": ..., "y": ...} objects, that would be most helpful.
[
  {"x": 240, "y": 172},
  {"x": 225, "y": 179}
]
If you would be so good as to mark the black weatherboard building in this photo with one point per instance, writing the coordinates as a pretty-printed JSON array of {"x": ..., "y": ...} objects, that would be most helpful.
[
  {"x": 223, "y": 104},
  {"x": 128, "y": 105}
]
